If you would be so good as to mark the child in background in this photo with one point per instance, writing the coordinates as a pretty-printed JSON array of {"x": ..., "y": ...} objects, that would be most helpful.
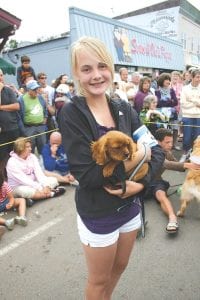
[
  {"x": 24, "y": 70},
  {"x": 7, "y": 202}
]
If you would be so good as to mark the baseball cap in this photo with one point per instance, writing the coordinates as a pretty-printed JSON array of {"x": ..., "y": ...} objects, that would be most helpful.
[
  {"x": 62, "y": 88},
  {"x": 32, "y": 85}
]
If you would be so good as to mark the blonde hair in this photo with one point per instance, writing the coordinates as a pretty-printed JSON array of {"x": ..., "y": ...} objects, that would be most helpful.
[
  {"x": 95, "y": 46},
  {"x": 20, "y": 145}
]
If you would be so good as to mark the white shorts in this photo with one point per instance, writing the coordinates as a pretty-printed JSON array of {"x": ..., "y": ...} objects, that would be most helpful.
[
  {"x": 28, "y": 191},
  {"x": 103, "y": 240}
]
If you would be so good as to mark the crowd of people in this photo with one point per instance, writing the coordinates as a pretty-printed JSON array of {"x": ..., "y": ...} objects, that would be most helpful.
[{"x": 41, "y": 123}]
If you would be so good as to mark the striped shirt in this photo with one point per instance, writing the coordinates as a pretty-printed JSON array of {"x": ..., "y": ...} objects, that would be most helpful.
[{"x": 4, "y": 191}]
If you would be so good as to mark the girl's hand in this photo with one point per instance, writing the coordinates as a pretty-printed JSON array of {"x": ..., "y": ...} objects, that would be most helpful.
[
  {"x": 132, "y": 188},
  {"x": 10, "y": 204}
]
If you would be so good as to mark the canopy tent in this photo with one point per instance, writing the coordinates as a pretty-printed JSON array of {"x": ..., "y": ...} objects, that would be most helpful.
[{"x": 6, "y": 67}]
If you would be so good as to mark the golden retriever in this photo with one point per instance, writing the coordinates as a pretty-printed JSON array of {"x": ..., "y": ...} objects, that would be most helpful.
[
  {"x": 114, "y": 147},
  {"x": 191, "y": 186}
]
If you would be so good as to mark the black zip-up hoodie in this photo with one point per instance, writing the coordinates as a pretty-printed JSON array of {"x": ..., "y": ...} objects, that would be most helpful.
[{"x": 78, "y": 128}]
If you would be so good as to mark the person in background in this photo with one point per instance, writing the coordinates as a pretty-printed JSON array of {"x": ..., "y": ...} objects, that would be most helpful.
[
  {"x": 190, "y": 107},
  {"x": 186, "y": 77},
  {"x": 8, "y": 202},
  {"x": 123, "y": 83},
  {"x": 62, "y": 97},
  {"x": 25, "y": 175},
  {"x": 116, "y": 93},
  {"x": 167, "y": 102},
  {"x": 152, "y": 117},
  {"x": 55, "y": 161},
  {"x": 108, "y": 219},
  {"x": 9, "y": 129},
  {"x": 24, "y": 70},
  {"x": 48, "y": 93},
  {"x": 62, "y": 79},
  {"x": 123, "y": 73},
  {"x": 133, "y": 87},
  {"x": 177, "y": 85},
  {"x": 33, "y": 114},
  {"x": 154, "y": 84},
  {"x": 72, "y": 90},
  {"x": 143, "y": 91}
]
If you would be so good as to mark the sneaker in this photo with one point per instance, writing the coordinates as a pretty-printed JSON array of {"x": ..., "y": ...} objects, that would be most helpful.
[
  {"x": 2, "y": 231},
  {"x": 21, "y": 220},
  {"x": 10, "y": 223},
  {"x": 29, "y": 202},
  {"x": 60, "y": 190},
  {"x": 74, "y": 183}
]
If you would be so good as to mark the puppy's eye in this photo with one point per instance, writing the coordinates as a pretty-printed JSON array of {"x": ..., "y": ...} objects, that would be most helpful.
[{"x": 116, "y": 148}]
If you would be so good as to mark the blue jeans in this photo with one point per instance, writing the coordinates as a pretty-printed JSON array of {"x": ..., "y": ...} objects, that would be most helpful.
[{"x": 190, "y": 132}]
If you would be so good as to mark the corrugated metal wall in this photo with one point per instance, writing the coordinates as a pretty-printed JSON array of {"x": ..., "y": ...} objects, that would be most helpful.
[
  {"x": 51, "y": 57},
  {"x": 147, "y": 49}
]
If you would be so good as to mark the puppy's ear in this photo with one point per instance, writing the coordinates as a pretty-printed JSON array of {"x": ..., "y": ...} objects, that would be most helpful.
[
  {"x": 132, "y": 149},
  {"x": 99, "y": 151}
]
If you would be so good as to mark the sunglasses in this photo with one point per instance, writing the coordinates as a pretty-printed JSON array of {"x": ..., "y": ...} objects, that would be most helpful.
[{"x": 44, "y": 77}]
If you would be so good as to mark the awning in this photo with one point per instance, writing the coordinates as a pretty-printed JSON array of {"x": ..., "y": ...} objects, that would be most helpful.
[{"x": 7, "y": 67}]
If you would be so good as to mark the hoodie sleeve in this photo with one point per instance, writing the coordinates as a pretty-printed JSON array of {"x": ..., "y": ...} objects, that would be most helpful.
[{"x": 48, "y": 160}]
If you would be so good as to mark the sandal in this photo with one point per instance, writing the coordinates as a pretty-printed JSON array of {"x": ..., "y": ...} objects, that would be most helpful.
[{"x": 172, "y": 227}]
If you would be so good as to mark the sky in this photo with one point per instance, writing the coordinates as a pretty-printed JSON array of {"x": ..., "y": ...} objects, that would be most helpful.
[{"x": 43, "y": 19}]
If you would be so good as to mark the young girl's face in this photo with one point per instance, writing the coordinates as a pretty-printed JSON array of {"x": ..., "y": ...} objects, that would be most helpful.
[{"x": 93, "y": 74}]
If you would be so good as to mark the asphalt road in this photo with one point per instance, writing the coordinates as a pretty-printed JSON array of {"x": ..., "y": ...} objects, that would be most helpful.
[{"x": 44, "y": 260}]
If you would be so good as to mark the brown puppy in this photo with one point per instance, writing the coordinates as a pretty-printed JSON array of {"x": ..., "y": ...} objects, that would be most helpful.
[
  {"x": 112, "y": 148},
  {"x": 191, "y": 186}
]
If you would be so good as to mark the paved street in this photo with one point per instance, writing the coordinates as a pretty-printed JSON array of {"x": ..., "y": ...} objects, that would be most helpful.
[{"x": 45, "y": 260}]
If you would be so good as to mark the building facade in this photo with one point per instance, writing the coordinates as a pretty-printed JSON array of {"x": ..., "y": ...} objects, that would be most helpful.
[
  {"x": 174, "y": 19},
  {"x": 130, "y": 46}
]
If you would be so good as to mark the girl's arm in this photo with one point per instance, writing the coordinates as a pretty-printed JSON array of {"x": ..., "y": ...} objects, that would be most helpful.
[{"x": 11, "y": 200}]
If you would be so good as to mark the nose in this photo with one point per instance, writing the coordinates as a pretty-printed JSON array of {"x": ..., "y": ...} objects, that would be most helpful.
[{"x": 96, "y": 74}]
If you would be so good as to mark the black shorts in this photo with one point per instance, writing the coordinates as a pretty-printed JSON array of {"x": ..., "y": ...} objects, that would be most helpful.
[{"x": 155, "y": 186}]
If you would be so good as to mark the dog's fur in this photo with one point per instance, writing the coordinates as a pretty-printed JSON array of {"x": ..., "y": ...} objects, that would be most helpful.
[
  {"x": 112, "y": 148},
  {"x": 191, "y": 186}
]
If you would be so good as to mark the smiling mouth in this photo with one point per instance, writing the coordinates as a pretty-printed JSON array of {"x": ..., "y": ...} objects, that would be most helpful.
[{"x": 97, "y": 83}]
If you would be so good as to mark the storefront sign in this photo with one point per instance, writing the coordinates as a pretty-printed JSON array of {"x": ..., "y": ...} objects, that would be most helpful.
[{"x": 150, "y": 49}]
